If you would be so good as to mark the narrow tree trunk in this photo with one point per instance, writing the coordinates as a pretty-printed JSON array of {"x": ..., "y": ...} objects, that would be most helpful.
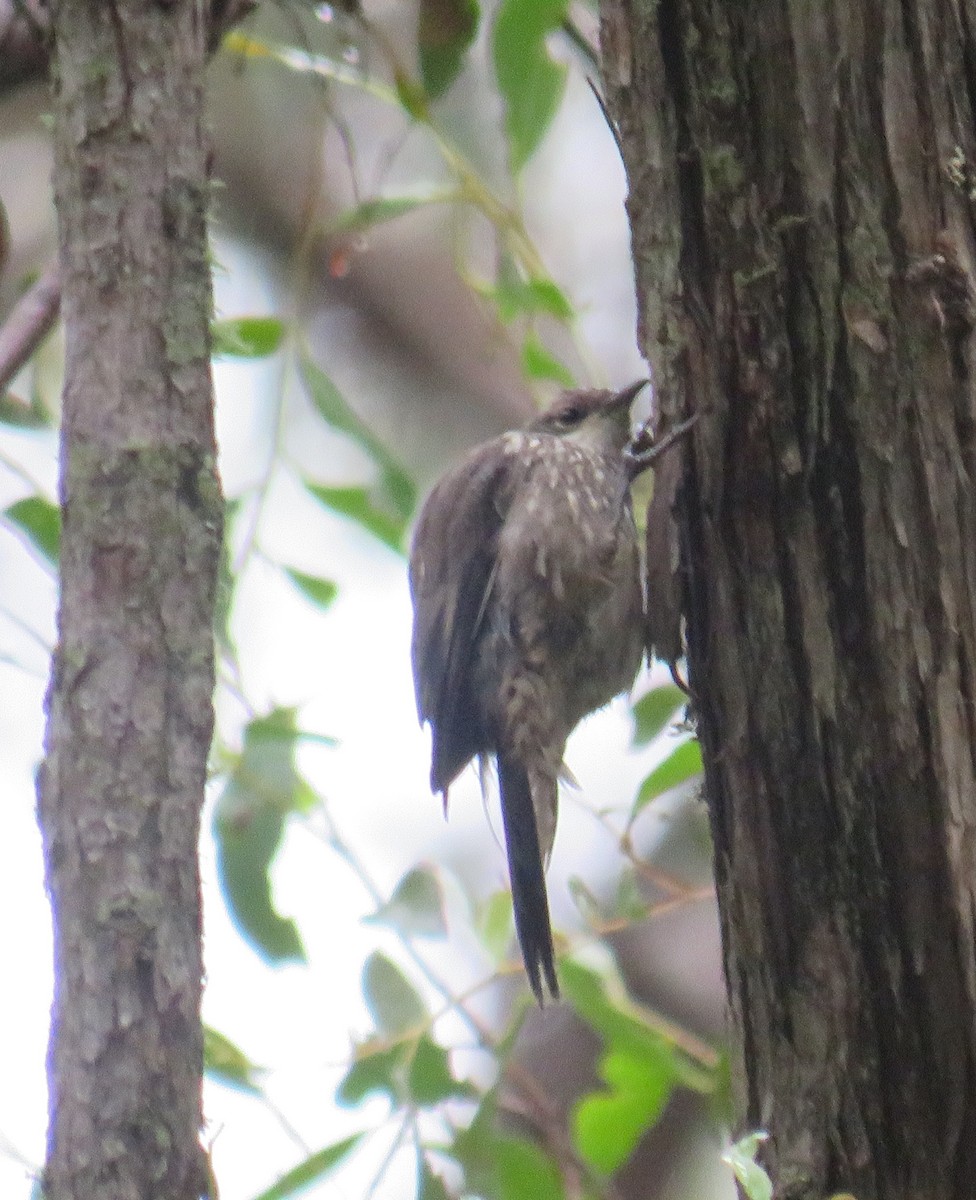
[
  {"x": 802, "y": 196},
  {"x": 130, "y": 714}
]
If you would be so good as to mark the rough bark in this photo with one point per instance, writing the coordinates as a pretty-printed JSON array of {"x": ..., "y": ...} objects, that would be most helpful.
[
  {"x": 802, "y": 203},
  {"x": 130, "y": 714},
  {"x": 27, "y": 26}
]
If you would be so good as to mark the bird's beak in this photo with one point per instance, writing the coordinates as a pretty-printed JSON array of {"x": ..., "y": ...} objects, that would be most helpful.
[{"x": 625, "y": 398}]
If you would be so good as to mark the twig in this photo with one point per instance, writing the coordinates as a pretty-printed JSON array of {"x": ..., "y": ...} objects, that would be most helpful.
[
  {"x": 641, "y": 459},
  {"x": 25, "y": 35},
  {"x": 29, "y": 323},
  {"x": 23, "y": 48},
  {"x": 582, "y": 43},
  {"x": 611, "y": 124}
]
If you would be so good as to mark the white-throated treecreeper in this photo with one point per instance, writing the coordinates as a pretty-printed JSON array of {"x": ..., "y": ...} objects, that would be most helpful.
[{"x": 528, "y": 615}]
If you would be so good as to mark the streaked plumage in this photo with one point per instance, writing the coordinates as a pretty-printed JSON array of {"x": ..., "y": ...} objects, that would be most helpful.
[{"x": 527, "y": 616}]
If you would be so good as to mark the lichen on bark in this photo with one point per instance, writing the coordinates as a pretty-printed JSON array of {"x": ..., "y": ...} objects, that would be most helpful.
[
  {"x": 130, "y": 701},
  {"x": 794, "y": 222}
]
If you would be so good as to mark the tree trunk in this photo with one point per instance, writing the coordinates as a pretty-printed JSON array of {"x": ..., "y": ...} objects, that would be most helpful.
[
  {"x": 130, "y": 715},
  {"x": 802, "y": 191}
]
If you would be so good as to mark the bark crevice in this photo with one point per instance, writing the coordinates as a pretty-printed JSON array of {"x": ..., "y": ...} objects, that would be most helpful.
[{"x": 804, "y": 264}]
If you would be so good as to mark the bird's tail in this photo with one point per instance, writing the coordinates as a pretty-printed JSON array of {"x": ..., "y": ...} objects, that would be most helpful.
[{"x": 525, "y": 869}]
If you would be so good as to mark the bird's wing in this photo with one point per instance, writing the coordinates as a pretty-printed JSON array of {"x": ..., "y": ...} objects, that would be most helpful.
[{"x": 452, "y": 567}]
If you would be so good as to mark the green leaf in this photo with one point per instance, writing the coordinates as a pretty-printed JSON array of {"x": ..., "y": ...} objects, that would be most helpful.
[
  {"x": 359, "y": 505},
  {"x": 314, "y": 1168},
  {"x": 416, "y": 907},
  {"x": 640, "y": 1068},
  {"x": 21, "y": 415},
  {"x": 608, "y": 1125},
  {"x": 586, "y": 901},
  {"x": 524, "y": 1170},
  {"x": 320, "y": 591},
  {"x": 413, "y": 1070},
  {"x": 538, "y": 363},
  {"x": 741, "y": 1157},
  {"x": 246, "y": 848},
  {"x": 474, "y": 1148},
  {"x": 624, "y": 1029},
  {"x": 430, "y": 1078},
  {"x": 429, "y": 1185},
  {"x": 335, "y": 410},
  {"x": 445, "y": 30},
  {"x": 654, "y": 710},
  {"x": 262, "y": 788},
  {"x": 412, "y": 96},
  {"x": 545, "y": 296},
  {"x": 40, "y": 521},
  {"x": 247, "y": 337},
  {"x": 383, "y": 508},
  {"x": 502, "y": 1166},
  {"x": 377, "y": 1067},
  {"x": 306, "y": 797},
  {"x": 391, "y": 999},
  {"x": 494, "y": 923},
  {"x": 514, "y": 296},
  {"x": 621, "y": 1029},
  {"x": 629, "y": 904},
  {"x": 681, "y": 764},
  {"x": 332, "y": 405},
  {"x": 376, "y": 211},
  {"x": 530, "y": 82},
  {"x": 227, "y": 1063}
]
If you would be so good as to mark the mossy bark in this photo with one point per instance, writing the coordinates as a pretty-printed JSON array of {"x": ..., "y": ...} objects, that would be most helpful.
[
  {"x": 802, "y": 204},
  {"x": 130, "y": 702}
]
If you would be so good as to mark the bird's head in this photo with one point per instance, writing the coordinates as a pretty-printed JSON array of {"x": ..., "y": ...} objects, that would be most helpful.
[{"x": 596, "y": 419}]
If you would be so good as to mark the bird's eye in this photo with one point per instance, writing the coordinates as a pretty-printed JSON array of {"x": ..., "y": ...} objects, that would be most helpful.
[{"x": 569, "y": 418}]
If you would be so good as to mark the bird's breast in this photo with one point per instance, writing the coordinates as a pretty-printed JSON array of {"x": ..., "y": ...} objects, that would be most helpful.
[
  {"x": 567, "y": 583},
  {"x": 569, "y": 519}
]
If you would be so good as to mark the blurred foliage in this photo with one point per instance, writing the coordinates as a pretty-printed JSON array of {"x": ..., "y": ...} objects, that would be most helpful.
[
  {"x": 38, "y": 520},
  {"x": 445, "y": 31},
  {"x": 262, "y": 788},
  {"x": 530, "y": 82},
  {"x": 751, "y": 1176},
  {"x": 463, "y": 1140},
  {"x": 310, "y": 1170},
  {"x": 247, "y": 337},
  {"x": 383, "y": 508}
]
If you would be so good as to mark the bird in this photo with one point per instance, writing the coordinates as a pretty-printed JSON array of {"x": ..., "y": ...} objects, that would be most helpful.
[{"x": 528, "y": 615}]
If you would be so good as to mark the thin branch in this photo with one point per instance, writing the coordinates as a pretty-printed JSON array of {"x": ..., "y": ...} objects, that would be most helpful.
[
  {"x": 23, "y": 42},
  {"x": 25, "y": 36},
  {"x": 611, "y": 123},
  {"x": 584, "y": 47},
  {"x": 641, "y": 456},
  {"x": 29, "y": 323}
]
